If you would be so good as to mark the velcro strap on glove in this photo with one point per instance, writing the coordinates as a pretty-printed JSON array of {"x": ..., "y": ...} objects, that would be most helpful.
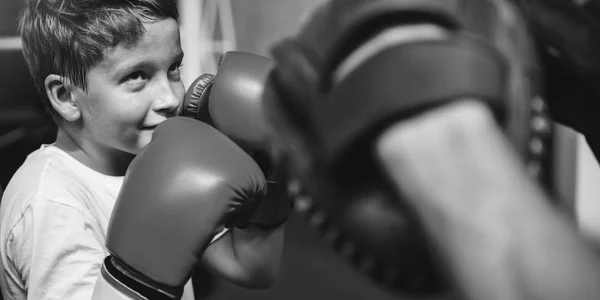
[{"x": 133, "y": 284}]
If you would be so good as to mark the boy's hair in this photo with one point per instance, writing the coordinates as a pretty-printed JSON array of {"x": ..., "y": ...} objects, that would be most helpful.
[{"x": 69, "y": 37}]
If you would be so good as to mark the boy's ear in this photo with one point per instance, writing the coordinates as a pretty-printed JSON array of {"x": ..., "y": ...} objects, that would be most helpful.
[{"x": 61, "y": 94}]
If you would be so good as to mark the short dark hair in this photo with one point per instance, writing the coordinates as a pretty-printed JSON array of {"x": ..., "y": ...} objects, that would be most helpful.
[{"x": 69, "y": 37}]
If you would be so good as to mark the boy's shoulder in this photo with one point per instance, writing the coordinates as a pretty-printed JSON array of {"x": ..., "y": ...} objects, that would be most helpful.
[{"x": 48, "y": 173}]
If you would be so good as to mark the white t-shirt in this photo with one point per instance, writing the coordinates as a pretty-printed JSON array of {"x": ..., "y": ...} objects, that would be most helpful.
[{"x": 53, "y": 221}]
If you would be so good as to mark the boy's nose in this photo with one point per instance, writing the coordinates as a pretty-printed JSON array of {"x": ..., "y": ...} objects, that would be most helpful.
[{"x": 168, "y": 100}]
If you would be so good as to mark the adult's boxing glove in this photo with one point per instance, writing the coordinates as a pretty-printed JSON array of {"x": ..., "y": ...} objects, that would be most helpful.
[
  {"x": 231, "y": 101},
  {"x": 183, "y": 187},
  {"x": 358, "y": 66}
]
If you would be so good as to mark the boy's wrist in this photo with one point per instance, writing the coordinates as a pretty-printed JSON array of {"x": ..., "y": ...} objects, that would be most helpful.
[{"x": 274, "y": 210}]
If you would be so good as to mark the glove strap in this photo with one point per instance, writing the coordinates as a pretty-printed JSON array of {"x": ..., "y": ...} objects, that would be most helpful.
[
  {"x": 135, "y": 285},
  {"x": 403, "y": 81},
  {"x": 270, "y": 226}
]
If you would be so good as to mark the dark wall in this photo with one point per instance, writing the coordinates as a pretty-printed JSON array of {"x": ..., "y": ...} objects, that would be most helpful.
[
  {"x": 9, "y": 10},
  {"x": 24, "y": 125},
  {"x": 310, "y": 270},
  {"x": 259, "y": 23}
]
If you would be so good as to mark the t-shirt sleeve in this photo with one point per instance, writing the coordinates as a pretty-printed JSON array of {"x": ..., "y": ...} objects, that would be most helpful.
[
  {"x": 58, "y": 252},
  {"x": 219, "y": 235}
]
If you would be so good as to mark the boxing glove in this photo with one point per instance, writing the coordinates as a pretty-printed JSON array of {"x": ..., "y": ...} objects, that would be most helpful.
[
  {"x": 231, "y": 101},
  {"x": 183, "y": 188},
  {"x": 355, "y": 68}
]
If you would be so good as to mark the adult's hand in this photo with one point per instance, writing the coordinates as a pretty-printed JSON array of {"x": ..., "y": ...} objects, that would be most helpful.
[{"x": 493, "y": 227}]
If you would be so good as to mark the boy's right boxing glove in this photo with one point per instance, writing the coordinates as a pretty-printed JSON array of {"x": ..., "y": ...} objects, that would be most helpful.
[
  {"x": 231, "y": 101},
  {"x": 178, "y": 192}
]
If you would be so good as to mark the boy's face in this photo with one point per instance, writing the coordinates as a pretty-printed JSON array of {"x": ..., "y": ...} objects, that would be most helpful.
[{"x": 133, "y": 89}]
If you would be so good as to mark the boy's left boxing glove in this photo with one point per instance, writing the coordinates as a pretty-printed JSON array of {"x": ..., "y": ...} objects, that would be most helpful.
[{"x": 186, "y": 185}]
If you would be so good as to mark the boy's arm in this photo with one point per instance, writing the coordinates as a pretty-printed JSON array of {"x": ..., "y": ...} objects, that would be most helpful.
[
  {"x": 491, "y": 224},
  {"x": 248, "y": 257},
  {"x": 56, "y": 251}
]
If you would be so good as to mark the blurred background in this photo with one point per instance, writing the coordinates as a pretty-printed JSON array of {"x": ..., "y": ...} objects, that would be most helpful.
[{"x": 209, "y": 27}]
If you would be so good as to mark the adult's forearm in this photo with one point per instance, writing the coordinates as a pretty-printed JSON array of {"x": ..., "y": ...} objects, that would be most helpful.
[{"x": 493, "y": 226}]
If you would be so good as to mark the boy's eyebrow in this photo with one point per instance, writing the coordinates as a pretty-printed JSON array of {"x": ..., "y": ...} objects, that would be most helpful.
[{"x": 125, "y": 68}]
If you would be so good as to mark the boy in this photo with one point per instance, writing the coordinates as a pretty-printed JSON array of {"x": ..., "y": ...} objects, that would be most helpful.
[{"x": 108, "y": 72}]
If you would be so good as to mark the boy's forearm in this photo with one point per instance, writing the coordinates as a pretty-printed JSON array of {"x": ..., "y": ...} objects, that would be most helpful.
[
  {"x": 263, "y": 246},
  {"x": 492, "y": 226},
  {"x": 258, "y": 252}
]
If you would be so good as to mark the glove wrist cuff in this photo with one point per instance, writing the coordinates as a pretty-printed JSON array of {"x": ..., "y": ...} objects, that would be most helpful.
[
  {"x": 134, "y": 284},
  {"x": 270, "y": 226}
]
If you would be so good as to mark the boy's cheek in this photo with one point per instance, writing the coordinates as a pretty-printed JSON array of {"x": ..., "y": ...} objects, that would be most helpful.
[
  {"x": 144, "y": 138},
  {"x": 135, "y": 143}
]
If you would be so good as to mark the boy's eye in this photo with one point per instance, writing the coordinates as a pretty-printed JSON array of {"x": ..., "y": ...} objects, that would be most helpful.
[
  {"x": 135, "y": 76},
  {"x": 175, "y": 67}
]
